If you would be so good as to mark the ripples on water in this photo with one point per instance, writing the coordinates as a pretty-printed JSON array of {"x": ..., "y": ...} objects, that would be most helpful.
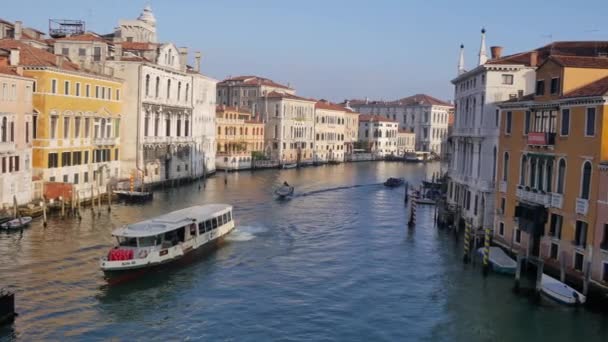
[{"x": 336, "y": 261}]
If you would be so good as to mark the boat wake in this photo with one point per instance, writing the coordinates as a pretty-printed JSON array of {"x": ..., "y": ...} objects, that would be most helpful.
[
  {"x": 245, "y": 233},
  {"x": 316, "y": 192}
]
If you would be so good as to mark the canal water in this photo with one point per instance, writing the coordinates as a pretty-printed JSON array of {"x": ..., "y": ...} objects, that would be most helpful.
[{"x": 336, "y": 262}]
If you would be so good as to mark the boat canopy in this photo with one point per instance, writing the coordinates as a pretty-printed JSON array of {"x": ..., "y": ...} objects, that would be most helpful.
[{"x": 171, "y": 221}]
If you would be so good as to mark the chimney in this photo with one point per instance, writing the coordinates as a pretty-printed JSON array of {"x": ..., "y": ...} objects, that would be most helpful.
[
  {"x": 14, "y": 57},
  {"x": 183, "y": 57},
  {"x": 59, "y": 61},
  {"x": 117, "y": 52},
  {"x": 496, "y": 52},
  {"x": 18, "y": 30},
  {"x": 197, "y": 61},
  {"x": 534, "y": 58}
]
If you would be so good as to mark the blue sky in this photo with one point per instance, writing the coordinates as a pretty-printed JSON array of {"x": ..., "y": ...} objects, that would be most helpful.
[{"x": 336, "y": 49}]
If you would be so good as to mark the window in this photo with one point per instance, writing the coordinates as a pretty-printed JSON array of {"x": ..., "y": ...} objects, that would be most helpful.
[
  {"x": 66, "y": 88},
  {"x": 77, "y": 127},
  {"x": 87, "y": 127},
  {"x": 66, "y": 127},
  {"x": 53, "y": 160},
  {"x": 53, "y": 127},
  {"x": 586, "y": 180},
  {"x": 555, "y": 228},
  {"x": 517, "y": 236},
  {"x": 554, "y": 253},
  {"x": 604, "y": 243},
  {"x": 580, "y": 234},
  {"x": 65, "y": 51},
  {"x": 82, "y": 52},
  {"x": 527, "y": 122},
  {"x": 86, "y": 157},
  {"x": 75, "y": 178},
  {"x": 157, "y": 87},
  {"x": 578, "y": 261},
  {"x": 65, "y": 178},
  {"x": 34, "y": 126},
  {"x": 505, "y": 167},
  {"x": 565, "y": 124},
  {"x": 523, "y": 169},
  {"x": 590, "y": 122},
  {"x": 168, "y": 89},
  {"x": 503, "y": 205},
  {"x": 554, "y": 86},
  {"x": 97, "y": 54},
  {"x": 561, "y": 176},
  {"x": 540, "y": 87},
  {"x": 117, "y": 95},
  {"x": 87, "y": 90},
  {"x": 501, "y": 229},
  {"x": 508, "y": 123},
  {"x": 53, "y": 86},
  {"x": 507, "y": 79},
  {"x": 147, "y": 85},
  {"x": 96, "y": 92},
  {"x": 27, "y": 132},
  {"x": 66, "y": 159},
  {"x": 214, "y": 222}
]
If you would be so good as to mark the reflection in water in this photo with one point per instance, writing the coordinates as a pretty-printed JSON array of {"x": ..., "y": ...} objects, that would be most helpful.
[{"x": 337, "y": 261}]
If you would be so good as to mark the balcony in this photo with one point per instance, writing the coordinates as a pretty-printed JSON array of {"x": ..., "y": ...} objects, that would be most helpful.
[
  {"x": 582, "y": 206},
  {"x": 502, "y": 187},
  {"x": 7, "y": 147},
  {"x": 537, "y": 197},
  {"x": 104, "y": 141},
  {"x": 541, "y": 139},
  {"x": 557, "y": 200}
]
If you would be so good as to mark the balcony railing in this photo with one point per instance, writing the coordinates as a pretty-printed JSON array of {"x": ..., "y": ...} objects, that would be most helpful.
[
  {"x": 582, "y": 206},
  {"x": 541, "y": 138},
  {"x": 534, "y": 197},
  {"x": 104, "y": 141},
  {"x": 7, "y": 147}
]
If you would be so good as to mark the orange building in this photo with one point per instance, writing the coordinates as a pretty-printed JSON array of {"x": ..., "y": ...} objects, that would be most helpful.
[
  {"x": 238, "y": 138},
  {"x": 551, "y": 145}
]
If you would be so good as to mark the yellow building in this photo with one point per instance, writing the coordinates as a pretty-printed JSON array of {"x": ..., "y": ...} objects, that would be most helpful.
[
  {"x": 76, "y": 120},
  {"x": 551, "y": 145},
  {"x": 238, "y": 137}
]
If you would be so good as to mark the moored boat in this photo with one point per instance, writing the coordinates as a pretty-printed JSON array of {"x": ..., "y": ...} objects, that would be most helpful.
[
  {"x": 560, "y": 292},
  {"x": 290, "y": 166},
  {"x": 394, "y": 182},
  {"x": 499, "y": 260},
  {"x": 167, "y": 238},
  {"x": 134, "y": 196},
  {"x": 18, "y": 223}
]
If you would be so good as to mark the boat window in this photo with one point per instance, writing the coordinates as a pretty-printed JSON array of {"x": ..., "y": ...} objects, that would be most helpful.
[
  {"x": 147, "y": 241},
  {"x": 208, "y": 226},
  {"x": 193, "y": 229},
  {"x": 201, "y": 228},
  {"x": 181, "y": 234},
  {"x": 214, "y": 221},
  {"x": 128, "y": 242},
  {"x": 229, "y": 216},
  {"x": 225, "y": 218},
  {"x": 220, "y": 220}
]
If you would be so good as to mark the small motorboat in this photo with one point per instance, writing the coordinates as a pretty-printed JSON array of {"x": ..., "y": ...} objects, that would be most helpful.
[
  {"x": 18, "y": 223},
  {"x": 500, "y": 261},
  {"x": 560, "y": 292},
  {"x": 394, "y": 182},
  {"x": 290, "y": 166},
  {"x": 284, "y": 191}
]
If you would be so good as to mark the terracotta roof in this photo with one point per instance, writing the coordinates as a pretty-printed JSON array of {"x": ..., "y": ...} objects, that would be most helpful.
[
  {"x": 86, "y": 37},
  {"x": 581, "y": 61},
  {"x": 329, "y": 106},
  {"x": 134, "y": 59},
  {"x": 366, "y": 117},
  {"x": 597, "y": 88},
  {"x": 26, "y": 36},
  {"x": 138, "y": 46},
  {"x": 31, "y": 56},
  {"x": 8, "y": 71},
  {"x": 423, "y": 99},
  {"x": 253, "y": 81},
  {"x": 275, "y": 94},
  {"x": 563, "y": 48}
]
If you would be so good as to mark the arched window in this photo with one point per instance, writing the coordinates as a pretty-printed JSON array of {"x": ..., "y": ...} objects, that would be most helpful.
[
  {"x": 179, "y": 90},
  {"x": 4, "y": 129},
  {"x": 219, "y": 131},
  {"x": 533, "y": 165},
  {"x": 187, "y": 90},
  {"x": 157, "y": 87},
  {"x": 524, "y": 166},
  {"x": 147, "y": 85},
  {"x": 561, "y": 176},
  {"x": 168, "y": 89},
  {"x": 505, "y": 167},
  {"x": 549, "y": 177},
  {"x": 586, "y": 180}
]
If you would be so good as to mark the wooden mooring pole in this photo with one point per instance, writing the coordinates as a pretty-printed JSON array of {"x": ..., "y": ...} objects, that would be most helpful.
[
  {"x": 467, "y": 241},
  {"x": 517, "y": 273},
  {"x": 43, "y": 203},
  {"x": 486, "y": 253}
]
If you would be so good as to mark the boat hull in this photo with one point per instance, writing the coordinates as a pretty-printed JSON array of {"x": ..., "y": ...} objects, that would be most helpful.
[{"x": 560, "y": 292}]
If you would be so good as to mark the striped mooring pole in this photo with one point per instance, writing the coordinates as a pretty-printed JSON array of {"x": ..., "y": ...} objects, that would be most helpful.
[
  {"x": 486, "y": 252},
  {"x": 467, "y": 241},
  {"x": 412, "y": 222}
]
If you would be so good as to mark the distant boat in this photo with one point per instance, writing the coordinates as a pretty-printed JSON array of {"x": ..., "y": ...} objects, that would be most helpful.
[
  {"x": 290, "y": 166},
  {"x": 500, "y": 261},
  {"x": 134, "y": 196},
  {"x": 394, "y": 182},
  {"x": 427, "y": 201},
  {"x": 284, "y": 191},
  {"x": 18, "y": 223},
  {"x": 561, "y": 292}
]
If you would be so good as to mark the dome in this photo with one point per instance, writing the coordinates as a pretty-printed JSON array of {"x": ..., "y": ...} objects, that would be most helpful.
[{"x": 147, "y": 16}]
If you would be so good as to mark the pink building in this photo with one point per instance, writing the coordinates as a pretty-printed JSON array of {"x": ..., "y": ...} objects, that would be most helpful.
[
  {"x": 599, "y": 258},
  {"x": 15, "y": 132}
]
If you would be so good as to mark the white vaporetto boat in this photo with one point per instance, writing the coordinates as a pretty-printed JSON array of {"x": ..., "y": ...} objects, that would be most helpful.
[{"x": 167, "y": 238}]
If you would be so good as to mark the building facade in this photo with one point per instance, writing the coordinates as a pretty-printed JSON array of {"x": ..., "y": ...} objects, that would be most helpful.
[
  {"x": 474, "y": 137},
  {"x": 378, "y": 135},
  {"x": 551, "y": 147},
  {"x": 330, "y": 132},
  {"x": 422, "y": 114},
  {"x": 245, "y": 92},
  {"x": 16, "y": 108},
  {"x": 406, "y": 142},
  {"x": 239, "y": 137},
  {"x": 290, "y": 125},
  {"x": 76, "y": 121}
]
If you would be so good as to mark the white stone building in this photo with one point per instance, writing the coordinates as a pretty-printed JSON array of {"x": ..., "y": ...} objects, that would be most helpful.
[
  {"x": 472, "y": 167},
  {"x": 330, "y": 131},
  {"x": 422, "y": 114},
  {"x": 245, "y": 92},
  {"x": 290, "y": 125},
  {"x": 406, "y": 142},
  {"x": 378, "y": 135},
  {"x": 203, "y": 126}
]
